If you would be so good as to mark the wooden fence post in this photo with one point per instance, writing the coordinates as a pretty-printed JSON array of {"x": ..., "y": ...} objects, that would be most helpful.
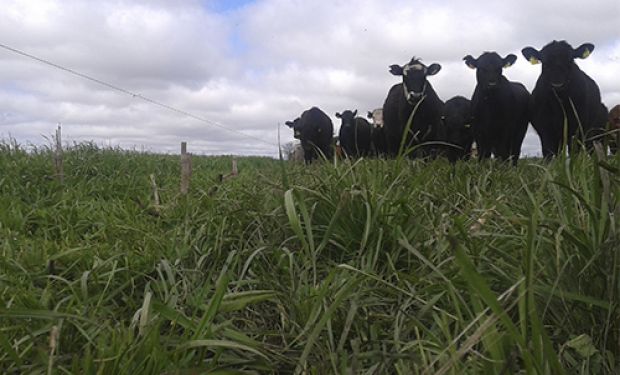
[
  {"x": 234, "y": 171},
  {"x": 156, "y": 201},
  {"x": 58, "y": 163},
  {"x": 186, "y": 169}
]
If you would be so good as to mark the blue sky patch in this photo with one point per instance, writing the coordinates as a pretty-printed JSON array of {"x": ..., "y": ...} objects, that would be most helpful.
[{"x": 223, "y": 6}]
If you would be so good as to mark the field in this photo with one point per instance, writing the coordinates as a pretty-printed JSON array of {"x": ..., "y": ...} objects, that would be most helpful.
[{"x": 375, "y": 267}]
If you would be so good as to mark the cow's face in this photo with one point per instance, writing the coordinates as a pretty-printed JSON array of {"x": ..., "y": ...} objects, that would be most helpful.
[
  {"x": 489, "y": 68},
  {"x": 557, "y": 61},
  {"x": 377, "y": 117},
  {"x": 456, "y": 121},
  {"x": 414, "y": 78},
  {"x": 347, "y": 117},
  {"x": 296, "y": 126}
]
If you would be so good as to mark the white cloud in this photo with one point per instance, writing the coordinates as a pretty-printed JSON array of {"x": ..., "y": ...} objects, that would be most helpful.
[{"x": 254, "y": 67}]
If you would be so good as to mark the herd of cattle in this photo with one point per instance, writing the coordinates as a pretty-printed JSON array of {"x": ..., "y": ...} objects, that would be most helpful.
[{"x": 564, "y": 108}]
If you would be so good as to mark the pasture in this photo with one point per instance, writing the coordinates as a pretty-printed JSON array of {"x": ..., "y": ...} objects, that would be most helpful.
[{"x": 370, "y": 267}]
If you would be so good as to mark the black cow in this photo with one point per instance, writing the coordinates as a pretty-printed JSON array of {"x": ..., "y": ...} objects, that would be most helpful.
[
  {"x": 499, "y": 106},
  {"x": 355, "y": 134},
  {"x": 564, "y": 97},
  {"x": 315, "y": 130},
  {"x": 456, "y": 118},
  {"x": 414, "y": 92}
]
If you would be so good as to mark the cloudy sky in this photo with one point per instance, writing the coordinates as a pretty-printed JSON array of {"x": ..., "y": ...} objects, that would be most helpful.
[{"x": 249, "y": 66}]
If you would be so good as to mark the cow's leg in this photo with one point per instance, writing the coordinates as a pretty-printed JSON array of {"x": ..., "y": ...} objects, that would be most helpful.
[
  {"x": 551, "y": 144},
  {"x": 309, "y": 155},
  {"x": 514, "y": 149},
  {"x": 502, "y": 149}
]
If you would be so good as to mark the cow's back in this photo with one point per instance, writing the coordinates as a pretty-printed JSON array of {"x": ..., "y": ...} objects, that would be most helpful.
[
  {"x": 319, "y": 130},
  {"x": 364, "y": 135}
]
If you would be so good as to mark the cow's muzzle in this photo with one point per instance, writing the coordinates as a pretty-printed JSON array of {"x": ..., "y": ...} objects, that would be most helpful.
[{"x": 412, "y": 96}]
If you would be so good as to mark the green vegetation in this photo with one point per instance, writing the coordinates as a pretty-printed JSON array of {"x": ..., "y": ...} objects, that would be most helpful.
[{"x": 375, "y": 267}]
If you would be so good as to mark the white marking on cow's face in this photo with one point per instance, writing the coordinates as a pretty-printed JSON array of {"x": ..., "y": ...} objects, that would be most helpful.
[
  {"x": 413, "y": 67},
  {"x": 414, "y": 81},
  {"x": 377, "y": 117},
  {"x": 412, "y": 96}
]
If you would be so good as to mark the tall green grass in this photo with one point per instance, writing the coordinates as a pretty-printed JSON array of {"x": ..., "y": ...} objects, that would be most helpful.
[{"x": 366, "y": 267}]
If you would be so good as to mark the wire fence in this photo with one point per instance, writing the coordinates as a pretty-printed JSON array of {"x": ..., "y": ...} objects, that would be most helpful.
[{"x": 137, "y": 95}]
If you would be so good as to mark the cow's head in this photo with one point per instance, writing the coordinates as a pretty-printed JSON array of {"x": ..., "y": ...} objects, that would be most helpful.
[
  {"x": 377, "y": 117},
  {"x": 489, "y": 68},
  {"x": 296, "y": 126},
  {"x": 557, "y": 61},
  {"x": 347, "y": 117},
  {"x": 456, "y": 118},
  {"x": 414, "y": 78}
]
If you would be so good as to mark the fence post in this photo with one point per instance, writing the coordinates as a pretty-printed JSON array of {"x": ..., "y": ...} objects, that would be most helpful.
[
  {"x": 186, "y": 169},
  {"x": 156, "y": 201},
  {"x": 58, "y": 163},
  {"x": 234, "y": 171}
]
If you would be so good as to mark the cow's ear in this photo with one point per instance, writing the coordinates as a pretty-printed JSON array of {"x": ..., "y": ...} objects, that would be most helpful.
[
  {"x": 355, "y": 113},
  {"x": 470, "y": 61},
  {"x": 583, "y": 51},
  {"x": 338, "y": 115},
  {"x": 396, "y": 70},
  {"x": 433, "y": 69},
  {"x": 289, "y": 124},
  {"x": 369, "y": 115},
  {"x": 531, "y": 54},
  {"x": 509, "y": 60}
]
